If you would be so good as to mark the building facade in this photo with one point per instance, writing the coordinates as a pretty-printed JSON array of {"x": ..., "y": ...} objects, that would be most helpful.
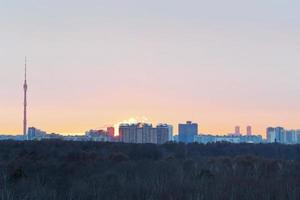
[
  {"x": 187, "y": 132},
  {"x": 276, "y": 135},
  {"x": 164, "y": 133},
  {"x": 99, "y": 136},
  {"x": 237, "y": 130},
  {"x": 205, "y": 139},
  {"x": 143, "y": 133},
  {"x": 249, "y": 130},
  {"x": 35, "y": 134}
]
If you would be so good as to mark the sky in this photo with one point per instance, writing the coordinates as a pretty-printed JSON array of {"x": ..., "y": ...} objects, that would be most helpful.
[{"x": 97, "y": 63}]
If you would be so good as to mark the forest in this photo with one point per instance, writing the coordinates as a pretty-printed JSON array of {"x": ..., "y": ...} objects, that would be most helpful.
[{"x": 61, "y": 170}]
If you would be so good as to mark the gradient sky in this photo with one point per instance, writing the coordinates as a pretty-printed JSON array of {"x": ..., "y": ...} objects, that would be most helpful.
[{"x": 96, "y": 63}]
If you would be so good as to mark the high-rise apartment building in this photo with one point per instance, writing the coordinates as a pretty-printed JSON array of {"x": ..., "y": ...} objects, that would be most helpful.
[
  {"x": 124, "y": 133},
  {"x": 249, "y": 130},
  {"x": 153, "y": 136},
  {"x": 290, "y": 137},
  {"x": 163, "y": 133},
  {"x": 271, "y": 138},
  {"x": 298, "y": 136},
  {"x": 276, "y": 135},
  {"x": 187, "y": 132},
  {"x": 143, "y": 133},
  {"x": 148, "y": 134},
  {"x": 237, "y": 130},
  {"x": 111, "y": 131},
  {"x": 170, "y": 132},
  {"x": 35, "y": 134}
]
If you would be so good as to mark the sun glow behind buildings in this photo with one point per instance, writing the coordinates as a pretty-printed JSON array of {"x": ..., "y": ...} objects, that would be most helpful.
[{"x": 131, "y": 120}]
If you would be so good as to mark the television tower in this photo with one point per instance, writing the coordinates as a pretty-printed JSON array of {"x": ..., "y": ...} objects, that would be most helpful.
[{"x": 25, "y": 87}]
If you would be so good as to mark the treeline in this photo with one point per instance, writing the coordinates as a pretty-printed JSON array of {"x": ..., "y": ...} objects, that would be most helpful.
[{"x": 59, "y": 170}]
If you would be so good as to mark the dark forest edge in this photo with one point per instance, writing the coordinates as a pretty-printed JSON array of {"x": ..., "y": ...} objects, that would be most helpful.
[{"x": 91, "y": 170}]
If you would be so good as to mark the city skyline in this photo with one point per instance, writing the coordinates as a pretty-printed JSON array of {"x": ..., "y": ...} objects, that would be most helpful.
[
  {"x": 147, "y": 133},
  {"x": 92, "y": 64}
]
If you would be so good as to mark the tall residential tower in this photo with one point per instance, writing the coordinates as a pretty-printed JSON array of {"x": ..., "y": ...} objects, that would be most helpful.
[
  {"x": 237, "y": 131},
  {"x": 249, "y": 130},
  {"x": 187, "y": 132}
]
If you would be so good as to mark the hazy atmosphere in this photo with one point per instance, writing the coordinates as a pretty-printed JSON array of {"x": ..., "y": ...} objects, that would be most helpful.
[{"x": 95, "y": 63}]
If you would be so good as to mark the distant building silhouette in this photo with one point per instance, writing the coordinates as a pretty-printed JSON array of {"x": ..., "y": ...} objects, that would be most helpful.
[
  {"x": 99, "y": 136},
  {"x": 143, "y": 133},
  {"x": 35, "y": 134},
  {"x": 187, "y": 132},
  {"x": 111, "y": 131},
  {"x": 290, "y": 136},
  {"x": 204, "y": 139},
  {"x": 275, "y": 135},
  {"x": 164, "y": 132},
  {"x": 237, "y": 130},
  {"x": 249, "y": 130}
]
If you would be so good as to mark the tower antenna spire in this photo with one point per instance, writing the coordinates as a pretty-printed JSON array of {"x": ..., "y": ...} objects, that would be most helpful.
[
  {"x": 25, "y": 87},
  {"x": 25, "y": 68}
]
